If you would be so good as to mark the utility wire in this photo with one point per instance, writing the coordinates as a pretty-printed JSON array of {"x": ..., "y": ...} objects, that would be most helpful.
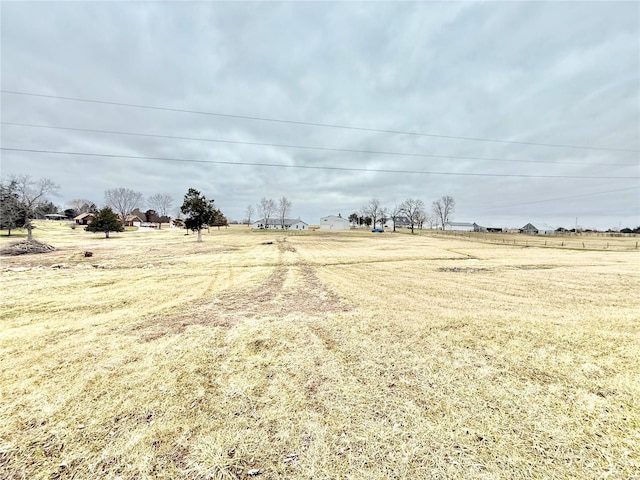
[
  {"x": 326, "y": 149},
  {"x": 565, "y": 198},
  {"x": 312, "y": 167},
  {"x": 313, "y": 124}
]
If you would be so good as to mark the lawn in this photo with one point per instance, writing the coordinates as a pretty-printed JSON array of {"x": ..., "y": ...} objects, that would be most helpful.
[{"x": 317, "y": 356}]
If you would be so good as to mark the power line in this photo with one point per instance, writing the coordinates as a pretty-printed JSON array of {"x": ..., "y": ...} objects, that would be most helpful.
[
  {"x": 311, "y": 167},
  {"x": 313, "y": 124},
  {"x": 279, "y": 145},
  {"x": 565, "y": 198}
]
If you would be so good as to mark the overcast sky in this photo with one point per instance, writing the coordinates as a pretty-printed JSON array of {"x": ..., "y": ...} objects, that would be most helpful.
[{"x": 537, "y": 72}]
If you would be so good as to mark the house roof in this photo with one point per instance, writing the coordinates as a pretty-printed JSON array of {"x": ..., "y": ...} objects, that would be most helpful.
[
  {"x": 277, "y": 221},
  {"x": 546, "y": 227},
  {"x": 488, "y": 225},
  {"x": 333, "y": 217},
  {"x": 131, "y": 218},
  {"x": 529, "y": 226},
  {"x": 460, "y": 224},
  {"x": 83, "y": 215}
]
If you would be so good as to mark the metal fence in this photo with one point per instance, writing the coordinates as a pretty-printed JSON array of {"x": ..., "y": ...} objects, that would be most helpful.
[{"x": 589, "y": 241}]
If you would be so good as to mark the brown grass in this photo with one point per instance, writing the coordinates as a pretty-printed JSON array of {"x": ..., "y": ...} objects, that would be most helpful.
[
  {"x": 613, "y": 242},
  {"x": 347, "y": 355}
]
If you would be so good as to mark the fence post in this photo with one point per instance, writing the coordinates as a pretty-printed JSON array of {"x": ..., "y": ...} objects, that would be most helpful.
[{"x": 582, "y": 244}]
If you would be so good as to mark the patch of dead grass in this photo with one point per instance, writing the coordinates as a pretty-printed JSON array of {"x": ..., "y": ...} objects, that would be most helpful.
[
  {"x": 286, "y": 291},
  {"x": 294, "y": 363}
]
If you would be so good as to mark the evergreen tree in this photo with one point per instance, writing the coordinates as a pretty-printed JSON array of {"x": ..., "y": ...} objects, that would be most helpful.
[
  {"x": 11, "y": 212},
  {"x": 30, "y": 194},
  {"x": 44, "y": 208},
  {"x": 201, "y": 212},
  {"x": 219, "y": 220},
  {"x": 71, "y": 213},
  {"x": 105, "y": 221}
]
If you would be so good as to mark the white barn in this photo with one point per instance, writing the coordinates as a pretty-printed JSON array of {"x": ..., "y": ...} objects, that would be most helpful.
[
  {"x": 459, "y": 226},
  {"x": 546, "y": 229},
  {"x": 276, "y": 224},
  {"x": 334, "y": 222},
  {"x": 541, "y": 229}
]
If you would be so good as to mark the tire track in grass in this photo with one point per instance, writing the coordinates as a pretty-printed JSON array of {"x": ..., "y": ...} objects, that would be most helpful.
[{"x": 274, "y": 298}]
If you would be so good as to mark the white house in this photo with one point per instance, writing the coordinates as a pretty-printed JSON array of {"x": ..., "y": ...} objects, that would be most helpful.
[
  {"x": 459, "y": 226},
  {"x": 400, "y": 222},
  {"x": 334, "y": 222},
  {"x": 276, "y": 224}
]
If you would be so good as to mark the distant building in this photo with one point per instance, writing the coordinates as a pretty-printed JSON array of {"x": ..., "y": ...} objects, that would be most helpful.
[
  {"x": 541, "y": 229},
  {"x": 84, "y": 219},
  {"x": 334, "y": 222},
  {"x": 401, "y": 222},
  {"x": 459, "y": 226},
  {"x": 544, "y": 229},
  {"x": 55, "y": 216},
  {"x": 488, "y": 228},
  {"x": 277, "y": 224},
  {"x": 132, "y": 221},
  {"x": 529, "y": 229}
]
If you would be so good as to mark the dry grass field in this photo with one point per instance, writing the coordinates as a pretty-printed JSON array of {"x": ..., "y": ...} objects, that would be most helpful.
[
  {"x": 317, "y": 356},
  {"x": 567, "y": 241}
]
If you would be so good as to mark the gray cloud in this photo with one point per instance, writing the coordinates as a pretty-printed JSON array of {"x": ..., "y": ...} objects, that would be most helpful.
[{"x": 565, "y": 73}]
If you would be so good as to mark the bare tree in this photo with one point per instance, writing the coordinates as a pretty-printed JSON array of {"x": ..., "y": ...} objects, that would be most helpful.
[
  {"x": 414, "y": 211},
  {"x": 82, "y": 205},
  {"x": 421, "y": 218},
  {"x": 383, "y": 216},
  {"x": 443, "y": 208},
  {"x": 372, "y": 209},
  {"x": 30, "y": 194},
  {"x": 284, "y": 207},
  {"x": 161, "y": 203},
  {"x": 123, "y": 201},
  {"x": 394, "y": 213},
  {"x": 249, "y": 213},
  {"x": 266, "y": 208},
  {"x": 430, "y": 219}
]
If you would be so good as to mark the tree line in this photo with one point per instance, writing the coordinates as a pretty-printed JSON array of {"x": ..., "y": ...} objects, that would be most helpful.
[
  {"x": 268, "y": 209},
  {"x": 412, "y": 211},
  {"x": 200, "y": 212},
  {"x": 23, "y": 198}
]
